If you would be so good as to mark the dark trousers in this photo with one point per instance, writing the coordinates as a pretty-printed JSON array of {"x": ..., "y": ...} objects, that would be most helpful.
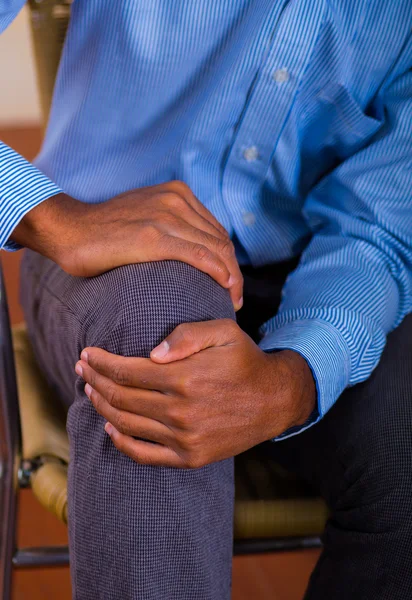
[{"x": 146, "y": 533}]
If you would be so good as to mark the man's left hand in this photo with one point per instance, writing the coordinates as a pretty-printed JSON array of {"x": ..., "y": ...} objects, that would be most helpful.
[{"x": 206, "y": 393}]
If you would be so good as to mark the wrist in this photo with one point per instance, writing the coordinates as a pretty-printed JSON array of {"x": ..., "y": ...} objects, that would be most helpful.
[
  {"x": 48, "y": 227},
  {"x": 298, "y": 387}
]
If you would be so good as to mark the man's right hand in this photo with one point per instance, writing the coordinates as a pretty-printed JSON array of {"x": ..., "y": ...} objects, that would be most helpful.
[{"x": 162, "y": 222}]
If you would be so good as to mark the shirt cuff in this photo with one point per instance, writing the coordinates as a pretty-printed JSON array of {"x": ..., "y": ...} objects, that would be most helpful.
[
  {"x": 22, "y": 187},
  {"x": 327, "y": 354}
]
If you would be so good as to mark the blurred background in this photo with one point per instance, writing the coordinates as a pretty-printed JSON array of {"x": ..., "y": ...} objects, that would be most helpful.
[{"x": 261, "y": 577}]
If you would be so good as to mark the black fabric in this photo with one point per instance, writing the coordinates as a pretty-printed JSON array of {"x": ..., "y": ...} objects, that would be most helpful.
[
  {"x": 145, "y": 533},
  {"x": 359, "y": 458}
]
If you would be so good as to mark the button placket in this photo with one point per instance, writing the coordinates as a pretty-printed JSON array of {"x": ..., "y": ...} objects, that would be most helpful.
[
  {"x": 268, "y": 107},
  {"x": 277, "y": 84}
]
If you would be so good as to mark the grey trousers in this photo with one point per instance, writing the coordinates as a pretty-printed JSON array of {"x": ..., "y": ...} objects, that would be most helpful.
[
  {"x": 144, "y": 533},
  {"x": 136, "y": 532}
]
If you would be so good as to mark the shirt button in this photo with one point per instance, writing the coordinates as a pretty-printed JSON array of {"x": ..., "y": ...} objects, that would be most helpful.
[
  {"x": 251, "y": 154},
  {"x": 249, "y": 219},
  {"x": 281, "y": 76}
]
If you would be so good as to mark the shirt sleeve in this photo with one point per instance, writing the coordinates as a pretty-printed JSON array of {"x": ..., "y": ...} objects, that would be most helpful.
[
  {"x": 353, "y": 284},
  {"x": 22, "y": 187}
]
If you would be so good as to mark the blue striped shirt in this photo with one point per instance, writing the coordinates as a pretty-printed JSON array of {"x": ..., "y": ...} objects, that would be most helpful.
[{"x": 290, "y": 120}]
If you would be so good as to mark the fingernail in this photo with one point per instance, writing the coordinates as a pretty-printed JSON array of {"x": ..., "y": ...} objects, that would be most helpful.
[
  {"x": 84, "y": 356},
  {"x": 231, "y": 280},
  {"x": 161, "y": 350},
  {"x": 108, "y": 429},
  {"x": 88, "y": 389},
  {"x": 239, "y": 304},
  {"x": 79, "y": 369}
]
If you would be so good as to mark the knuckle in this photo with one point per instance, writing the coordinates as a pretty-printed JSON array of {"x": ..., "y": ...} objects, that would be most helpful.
[
  {"x": 173, "y": 200},
  {"x": 224, "y": 231},
  {"x": 179, "y": 418},
  {"x": 201, "y": 252},
  {"x": 97, "y": 402},
  {"x": 190, "y": 441},
  {"x": 120, "y": 423},
  {"x": 185, "y": 333},
  {"x": 91, "y": 377},
  {"x": 119, "y": 374},
  {"x": 226, "y": 248},
  {"x": 186, "y": 384},
  {"x": 112, "y": 396},
  {"x": 194, "y": 460},
  {"x": 150, "y": 231},
  {"x": 180, "y": 186}
]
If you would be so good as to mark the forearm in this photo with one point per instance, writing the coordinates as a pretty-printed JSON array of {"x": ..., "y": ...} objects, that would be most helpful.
[{"x": 49, "y": 227}]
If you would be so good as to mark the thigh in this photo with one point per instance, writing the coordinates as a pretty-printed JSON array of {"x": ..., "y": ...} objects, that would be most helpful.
[{"x": 135, "y": 531}]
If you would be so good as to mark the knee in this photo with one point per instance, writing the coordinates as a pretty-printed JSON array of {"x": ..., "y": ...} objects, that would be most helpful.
[{"x": 139, "y": 304}]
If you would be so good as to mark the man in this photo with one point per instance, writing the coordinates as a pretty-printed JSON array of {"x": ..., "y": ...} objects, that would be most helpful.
[{"x": 290, "y": 125}]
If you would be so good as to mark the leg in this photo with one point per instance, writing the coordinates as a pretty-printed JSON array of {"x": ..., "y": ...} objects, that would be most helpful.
[
  {"x": 360, "y": 458},
  {"x": 136, "y": 532}
]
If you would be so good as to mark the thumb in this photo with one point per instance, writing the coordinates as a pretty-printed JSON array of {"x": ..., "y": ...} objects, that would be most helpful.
[{"x": 189, "y": 338}]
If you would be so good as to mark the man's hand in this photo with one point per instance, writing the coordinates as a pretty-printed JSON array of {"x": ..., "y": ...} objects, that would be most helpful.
[
  {"x": 207, "y": 393},
  {"x": 163, "y": 222}
]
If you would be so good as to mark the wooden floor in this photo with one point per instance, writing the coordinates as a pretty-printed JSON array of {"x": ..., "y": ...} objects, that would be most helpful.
[{"x": 261, "y": 577}]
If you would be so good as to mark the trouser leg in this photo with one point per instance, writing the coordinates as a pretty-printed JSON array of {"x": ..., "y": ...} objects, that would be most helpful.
[
  {"x": 136, "y": 532},
  {"x": 359, "y": 458}
]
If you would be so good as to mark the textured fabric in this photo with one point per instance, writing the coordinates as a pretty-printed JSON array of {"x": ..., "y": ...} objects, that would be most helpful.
[
  {"x": 150, "y": 533},
  {"x": 291, "y": 121},
  {"x": 359, "y": 458},
  {"x": 136, "y": 532}
]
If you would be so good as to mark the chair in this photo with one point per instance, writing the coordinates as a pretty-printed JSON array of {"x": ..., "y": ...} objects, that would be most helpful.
[{"x": 273, "y": 510}]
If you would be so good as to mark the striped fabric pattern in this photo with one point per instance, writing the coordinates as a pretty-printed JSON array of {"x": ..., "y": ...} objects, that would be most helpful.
[
  {"x": 22, "y": 187},
  {"x": 290, "y": 120}
]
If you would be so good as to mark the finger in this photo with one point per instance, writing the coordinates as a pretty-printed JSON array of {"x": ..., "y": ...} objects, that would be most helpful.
[
  {"x": 190, "y": 338},
  {"x": 125, "y": 371},
  {"x": 184, "y": 190},
  {"x": 142, "y": 452},
  {"x": 222, "y": 247},
  {"x": 179, "y": 207},
  {"x": 146, "y": 403},
  {"x": 171, "y": 247},
  {"x": 188, "y": 212},
  {"x": 129, "y": 423}
]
